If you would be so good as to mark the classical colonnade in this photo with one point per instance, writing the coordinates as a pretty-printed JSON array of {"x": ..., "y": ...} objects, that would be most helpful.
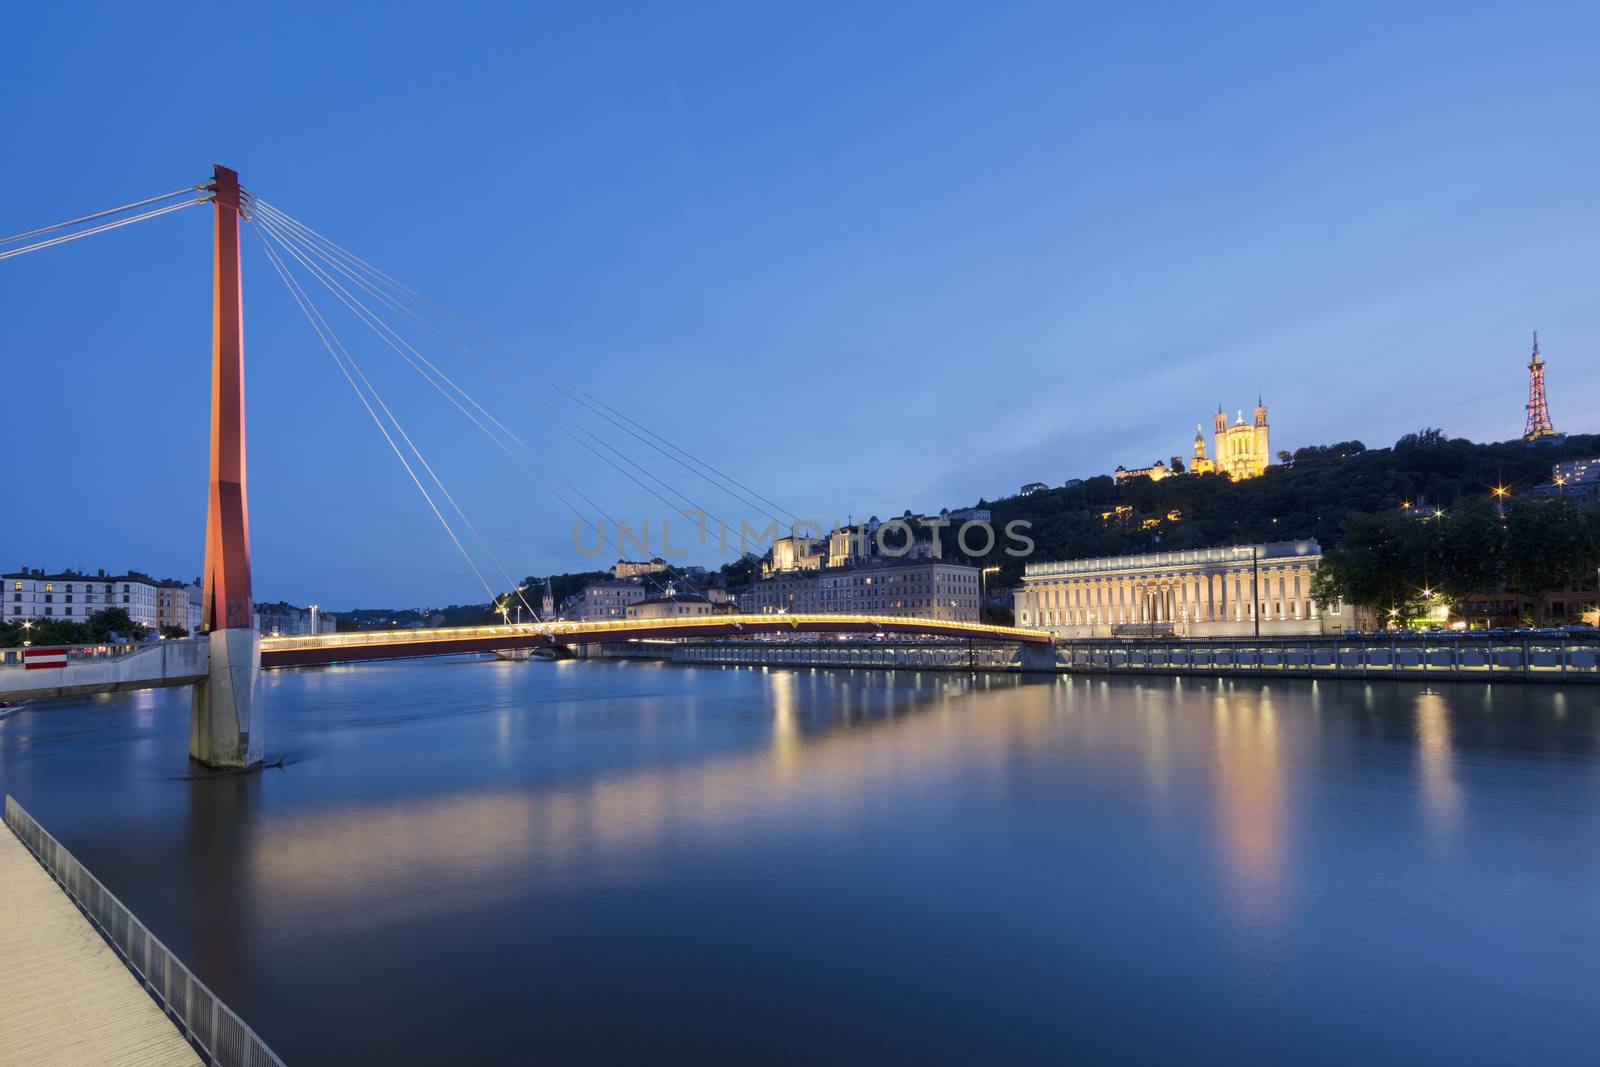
[{"x": 1182, "y": 597}]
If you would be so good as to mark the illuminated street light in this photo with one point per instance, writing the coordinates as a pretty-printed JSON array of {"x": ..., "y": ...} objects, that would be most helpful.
[{"x": 983, "y": 588}]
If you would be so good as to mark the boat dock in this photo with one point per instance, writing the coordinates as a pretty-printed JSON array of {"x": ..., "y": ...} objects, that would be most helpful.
[
  {"x": 82, "y": 981},
  {"x": 65, "y": 996}
]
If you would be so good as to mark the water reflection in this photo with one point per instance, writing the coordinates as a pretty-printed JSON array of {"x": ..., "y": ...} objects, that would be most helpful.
[
  {"x": 222, "y": 826},
  {"x": 1441, "y": 793},
  {"x": 1251, "y": 800},
  {"x": 1132, "y": 871}
]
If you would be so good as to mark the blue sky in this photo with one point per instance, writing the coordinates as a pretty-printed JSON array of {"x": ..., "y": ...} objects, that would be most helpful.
[{"x": 863, "y": 258}]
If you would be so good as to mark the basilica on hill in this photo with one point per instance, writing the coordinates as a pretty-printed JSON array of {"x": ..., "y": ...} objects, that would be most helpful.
[{"x": 1242, "y": 450}]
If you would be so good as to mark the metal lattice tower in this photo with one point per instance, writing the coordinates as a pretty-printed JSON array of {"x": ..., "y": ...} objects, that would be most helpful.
[{"x": 1538, "y": 411}]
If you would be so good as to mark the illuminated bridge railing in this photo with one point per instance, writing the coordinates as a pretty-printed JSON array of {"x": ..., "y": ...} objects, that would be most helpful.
[
  {"x": 206, "y": 1021},
  {"x": 1512, "y": 657},
  {"x": 630, "y": 629},
  {"x": 12, "y": 657},
  {"x": 873, "y": 655}
]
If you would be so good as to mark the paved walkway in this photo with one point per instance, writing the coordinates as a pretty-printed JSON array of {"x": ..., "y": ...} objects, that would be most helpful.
[{"x": 65, "y": 996}]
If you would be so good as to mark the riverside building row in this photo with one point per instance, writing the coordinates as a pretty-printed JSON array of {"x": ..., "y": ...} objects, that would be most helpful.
[
  {"x": 929, "y": 588},
  {"x": 31, "y": 595},
  {"x": 924, "y": 588}
]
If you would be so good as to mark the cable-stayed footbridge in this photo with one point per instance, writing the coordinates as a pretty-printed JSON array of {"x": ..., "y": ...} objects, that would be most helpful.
[{"x": 322, "y": 276}]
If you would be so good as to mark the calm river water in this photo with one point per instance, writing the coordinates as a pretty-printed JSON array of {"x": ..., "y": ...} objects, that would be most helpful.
[{"x": 474, "y": 861}]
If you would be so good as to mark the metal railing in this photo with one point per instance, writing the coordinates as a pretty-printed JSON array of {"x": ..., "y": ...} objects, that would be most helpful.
[
  {"x": 208, "y": 1023},
  {"x": 12, "y": 657},
  {"x": 886, "y": 655},
  {"x": 1491, "y": 656}
]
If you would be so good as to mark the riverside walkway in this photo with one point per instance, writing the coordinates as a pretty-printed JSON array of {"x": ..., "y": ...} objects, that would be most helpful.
[{"x": 65, "y": 996}]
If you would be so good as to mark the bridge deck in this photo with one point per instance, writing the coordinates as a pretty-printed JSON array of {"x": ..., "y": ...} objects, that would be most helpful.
[
  {"x": 65, "y": 996},
  {"x": 395, "y": 644}
]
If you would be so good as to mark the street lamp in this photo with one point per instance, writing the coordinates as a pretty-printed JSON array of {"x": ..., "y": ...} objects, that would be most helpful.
[
  {"x": 27, "y": 627},
  {"x": 1255, "y": 588},
  {"x": 983, "y": 588}
]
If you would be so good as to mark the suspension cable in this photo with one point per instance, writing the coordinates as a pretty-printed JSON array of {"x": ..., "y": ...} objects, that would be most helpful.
[
  {"x": 573, "y": 391},
  {"x": 564, "y": 421},
  {"x": 362, "y": 312},
  {"x": 101, "y": 214},
  {"x": 262, "y": 227},
  {"x": 382, "y": 329},
  {"x": 314, "y": 317},
  {"x": 63, "y": 238},
  {"x": 422, "y": 460}
]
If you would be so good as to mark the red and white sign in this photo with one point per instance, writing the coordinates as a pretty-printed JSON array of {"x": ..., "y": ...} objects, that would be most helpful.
[{"x": 35, "y": 658}]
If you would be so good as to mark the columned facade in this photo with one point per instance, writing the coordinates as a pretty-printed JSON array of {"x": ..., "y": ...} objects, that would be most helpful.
[{"x": 1205, "y": 592}]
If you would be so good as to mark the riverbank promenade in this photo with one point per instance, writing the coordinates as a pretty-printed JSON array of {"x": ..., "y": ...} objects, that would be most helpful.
[{"x": 65, "y": 996}]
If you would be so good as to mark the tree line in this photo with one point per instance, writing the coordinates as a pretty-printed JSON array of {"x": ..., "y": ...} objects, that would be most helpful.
[
  {"x": 103, "y": 625},
  {"x": 1522, "y": 549}
]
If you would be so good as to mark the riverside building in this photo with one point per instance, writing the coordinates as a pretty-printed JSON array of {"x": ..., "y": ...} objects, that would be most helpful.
[
  {"x": 920, "y": 588},
  {"x": 1208, "y": 592},
  {"x": 676, "y": 605},
  {"x": 608, "y": 599},
  {"x": 73, "y": 597},
  {"x": 172, "y": 604}
]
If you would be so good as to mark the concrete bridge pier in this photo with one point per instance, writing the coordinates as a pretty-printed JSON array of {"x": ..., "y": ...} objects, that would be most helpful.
[
  {"x": 225, "y": 723},
  {"x": 1037, "y": 656}
]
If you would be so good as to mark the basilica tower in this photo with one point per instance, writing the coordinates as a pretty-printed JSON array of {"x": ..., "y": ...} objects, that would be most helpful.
[
  {"x": 1202, "y": 464},
  {"x": 1263, "y": 449}
]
